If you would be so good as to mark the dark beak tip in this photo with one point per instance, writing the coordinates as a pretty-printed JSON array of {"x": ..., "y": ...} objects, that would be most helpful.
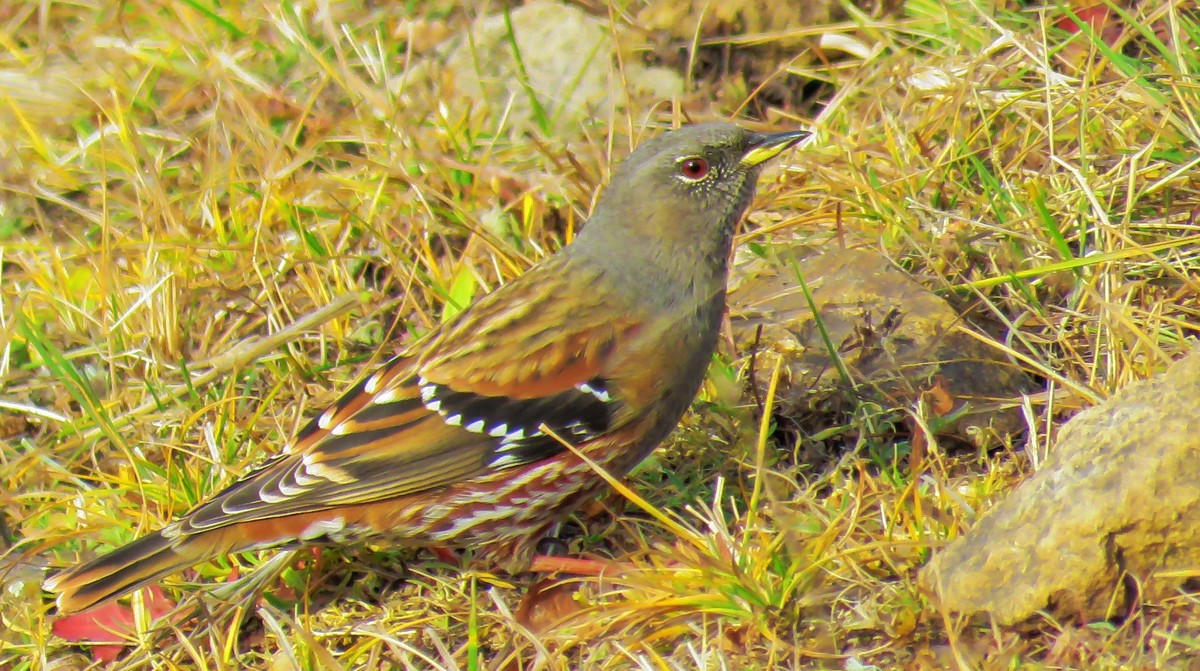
[
  {"x": 762, "y": 147},
  {"x": 786, "y": 138}
]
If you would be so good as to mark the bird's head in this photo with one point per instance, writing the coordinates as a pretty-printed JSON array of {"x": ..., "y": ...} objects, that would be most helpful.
[{"x": 677, "y": 198}]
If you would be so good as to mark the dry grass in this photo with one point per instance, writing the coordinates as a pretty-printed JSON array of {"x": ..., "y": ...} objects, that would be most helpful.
[{"x": 211, "y": 219}]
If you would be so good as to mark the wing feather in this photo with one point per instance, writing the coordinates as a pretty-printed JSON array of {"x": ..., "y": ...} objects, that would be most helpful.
[{"x": 458, "y": 406}]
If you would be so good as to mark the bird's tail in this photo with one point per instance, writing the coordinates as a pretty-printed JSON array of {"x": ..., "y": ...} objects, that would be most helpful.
[{"x": 120, "y": 571}]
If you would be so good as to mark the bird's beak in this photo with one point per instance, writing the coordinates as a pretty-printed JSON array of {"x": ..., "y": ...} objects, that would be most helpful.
[{"x": 766, "y": 147}]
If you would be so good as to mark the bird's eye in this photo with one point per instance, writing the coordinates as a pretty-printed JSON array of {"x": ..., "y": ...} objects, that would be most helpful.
[{"x": 693, "y": 168}]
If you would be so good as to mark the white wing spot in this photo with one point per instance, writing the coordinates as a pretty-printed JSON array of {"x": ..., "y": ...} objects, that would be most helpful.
[
  {"x": 323, "y": 528},
  {"x": 454, "y": 420},
  {"x": 600, "y": 394},
  {"x": 373, "y": 383},
  {"x": 504, "y": 460},
  {"x": 290, "y": 490},
  {"x": 499, "y": 431},
  {"x": 316, "y": 468},
  {"x": 434, "y": 406},
  {"x": 386, "y": 397},
  {"x": 303, "y": 477},
  {"x": 267, "y": 497},
  {"x": 326, "y": 418},
  {"x": 475, "y": 427},
  {"x": 514, "y": 440}
]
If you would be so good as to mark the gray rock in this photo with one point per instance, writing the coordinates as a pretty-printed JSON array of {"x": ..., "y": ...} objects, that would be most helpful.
[
  {"x": 1116, "y": 499},
  {"x": 563, "y": 58}
]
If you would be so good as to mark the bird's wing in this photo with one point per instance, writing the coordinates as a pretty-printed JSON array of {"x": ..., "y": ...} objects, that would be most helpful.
[{"x": 470, "y": 401}]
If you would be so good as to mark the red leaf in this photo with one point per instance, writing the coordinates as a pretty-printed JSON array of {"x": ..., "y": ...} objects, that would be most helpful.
[
  {"x": 1103, "y": 21},
  {"x": 1096, "y": 17},
  {"x": 108, "y": 628}
]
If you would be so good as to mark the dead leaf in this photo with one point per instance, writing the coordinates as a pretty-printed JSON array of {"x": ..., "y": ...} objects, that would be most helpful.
[{"x": 549, "y": 603}]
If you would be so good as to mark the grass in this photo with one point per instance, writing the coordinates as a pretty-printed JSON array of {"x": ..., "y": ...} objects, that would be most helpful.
[{"x": 214, "y": 217}]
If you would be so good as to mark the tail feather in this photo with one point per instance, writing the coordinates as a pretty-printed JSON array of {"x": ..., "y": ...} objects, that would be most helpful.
[{"x": 119, "y": 572}]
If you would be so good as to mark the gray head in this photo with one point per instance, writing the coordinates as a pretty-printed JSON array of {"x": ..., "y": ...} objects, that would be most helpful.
[{"x": 675, "y": 200}]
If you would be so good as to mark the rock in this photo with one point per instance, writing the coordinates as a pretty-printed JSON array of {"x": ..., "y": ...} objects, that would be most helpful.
[
  {"x": 744, "y": 45},
  {"x": 1117, "y": 498},
  {"x": 563, "y": 58},
  {"x": 896, "y": 338},
  {"x": 784, "y": 21}
]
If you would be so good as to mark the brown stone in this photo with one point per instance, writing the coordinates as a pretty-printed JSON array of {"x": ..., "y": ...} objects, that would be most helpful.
[{"x": 896, "y": 338}]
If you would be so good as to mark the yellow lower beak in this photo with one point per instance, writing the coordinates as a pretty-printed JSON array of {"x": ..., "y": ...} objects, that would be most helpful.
[{"x": 766, "y": 147}]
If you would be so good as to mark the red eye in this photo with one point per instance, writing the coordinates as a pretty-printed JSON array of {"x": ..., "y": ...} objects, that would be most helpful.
[{"x": 693, "y": 168}]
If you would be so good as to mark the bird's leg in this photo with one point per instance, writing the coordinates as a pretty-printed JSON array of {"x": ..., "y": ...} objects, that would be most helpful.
[{"x": 590, "y": 567}]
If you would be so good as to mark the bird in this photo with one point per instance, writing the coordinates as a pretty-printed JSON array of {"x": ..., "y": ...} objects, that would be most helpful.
[{"x": 480, "y": 434}]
